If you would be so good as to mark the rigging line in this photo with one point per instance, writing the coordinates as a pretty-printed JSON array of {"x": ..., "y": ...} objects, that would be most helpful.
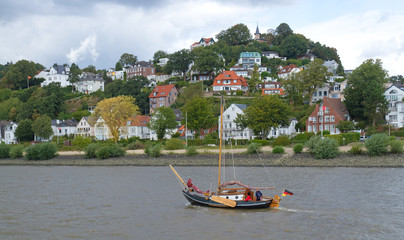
[
  {"x": 266, "y": 170},
  {"x": 232, "y": 157}
]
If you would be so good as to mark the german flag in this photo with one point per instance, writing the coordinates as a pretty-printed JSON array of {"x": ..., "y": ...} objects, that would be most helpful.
[{"x": 286, "y": 192}]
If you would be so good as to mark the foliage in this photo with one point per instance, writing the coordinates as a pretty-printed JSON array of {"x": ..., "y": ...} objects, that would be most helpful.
[
  {"x": 357, "y": 148},
  {"x": 345, "y": 126},
  {"x": 9, "y": 108},
  {"x": 278, "y": 150},
  {"x": 336, "y": 137},
  {"x": 294, "y": 89},
  {"x": 396, "y": 146},
  {"x": 191, "y": 151},
  {"x": 90, "y": 150},
  {"x": 78, "y": 115},
  {"x": 254, "y": 148},
  {"x": 312, "y": 142},
  {"x": 293, "y": 46},
  {"x": 21, "y": 75},
  {"x": 399, "y": 133},
  {"x": 377, "y": 144},
  {"x": 81, "y": 142},
  {"x": 135, "y": 145},
  {"x": 162, "y": 120},
  {"x": 265, "y": 112},
  {"x": 4, "y": 150},
  {"x": 108, "y": 151},
  {"x": 17, "y": 151},
  {"x": 24, "y": 132},
  {"x": 282, "y": 140},
  {"x": 200, "y": 114},
  {"x": 153, "y": 150},
  {"x": 298, "y": 148},
  {"x": 42, "y": 127},
  {"x": 365, "y": 98},
  {"x": 159, "y": 54},
  {"x": 74, "y": 74},
  {"x": 261, "y": 142},
  {"x": 41, "y": 151},
  {"x": 326, "y": 148},
  {"x": 174, "y": 144},
  {"x": 115, "y": 112},
  {"x": 180, "y": 61},
  {"x": 235, "y": 35},
  {"x": 207, "y": 61},
  {"x": 128, "y": 59},
  {"x": 281, "y": 32},
  {"x": 189, "y": 93}
]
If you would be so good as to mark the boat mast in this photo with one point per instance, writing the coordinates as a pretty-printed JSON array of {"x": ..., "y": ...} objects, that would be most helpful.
[{"x": 220, "y": 143}]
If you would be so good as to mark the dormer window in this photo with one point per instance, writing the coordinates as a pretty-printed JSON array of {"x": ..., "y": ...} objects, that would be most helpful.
[
  {"x": 162, "y": 93},
  {"x": 218, "y": 81}
]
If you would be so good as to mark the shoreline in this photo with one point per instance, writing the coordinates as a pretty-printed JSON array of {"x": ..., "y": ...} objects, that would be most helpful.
[{"x": 240, "y": 159}]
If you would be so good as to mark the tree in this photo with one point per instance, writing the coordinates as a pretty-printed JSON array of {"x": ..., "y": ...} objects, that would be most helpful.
[
  {"x": 365, "y": 98},
  {"x": 255, "y": 79},
  {"x": 118, "y": 66},
  {"x": 264, "y": 113},
  {"x": 207, "y": 61},
  {"x": 162, "y": 120},
  {"x": 293, "y": 90},
  {"x": 24, "y": 132},
  {"x": 42, "y": 127},
  {"x": 281, "y": 32},
  {"x": 345, "y": 126},
  {"x": 293, "y": 46},
  {"x": 127, "y": 59},
  {"x": 189, "y": 93},
  {"x": 180, "y": 61},
  {"x": 74, "y": 74},
  {"x": 200, "y": 115},
  {"x": 90, "y": 68},
  {"x": 315, "y": 75},
  {"x": 21, "y": 75},
  {"x": 115, "y": 112},
  {"x": 9, "y": 109},
  {"x": 237, "y": 35},
  {"x": 159, "y": 54}
]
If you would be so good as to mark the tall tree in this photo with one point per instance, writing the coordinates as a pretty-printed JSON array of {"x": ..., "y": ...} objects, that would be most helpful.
[
  {"x": 128, "y": 59},
  {"x": 264, "y": 113},
  {"x": 293, "y": 46},
  {"x": 281, "y": 32},
  {"x": 200, "y": 114},
  {"x": 365, "y": 96},
  {"x": 24, "y": 132},
  {"x": 237, "y": 35},
  {"x": 207, "y": 61},
  {"x": 255, "y": 79},
  {"x": 162, "y": 120},
  {"x": 293, "y": 90},
  {"x": 21, "y": 75},
  {"x": 115, "y": 112},
  {"x": 42, "y": 127},
  {"x": 90, "y": 68},
  {"x": 180, "y": 62},
  {"x": 159, "y": 54},
  {"x": 74, "y": 74}
]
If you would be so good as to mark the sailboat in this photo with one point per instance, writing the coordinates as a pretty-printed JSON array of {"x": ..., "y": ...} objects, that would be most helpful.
[{"x": 232, "y": 194}]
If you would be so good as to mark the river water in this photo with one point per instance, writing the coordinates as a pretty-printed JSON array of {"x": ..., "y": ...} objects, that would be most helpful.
[{"x": 146, "y": 203}]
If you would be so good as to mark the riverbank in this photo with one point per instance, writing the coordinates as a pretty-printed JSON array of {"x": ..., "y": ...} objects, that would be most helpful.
[{"x": 208, "y": 159}]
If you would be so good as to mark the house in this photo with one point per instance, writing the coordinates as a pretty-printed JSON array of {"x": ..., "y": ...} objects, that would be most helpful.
[
  {"x": 337, "y": 90},
  {"x": 203, "y": 42},
  {"x": 141, "y": 68},
  {"x": 85, "y": 127},
  {"x": 248, "y": 59},
  {"x": 101, "y": 130},
  {"x": 111, "y": 73},
  {"x": 395, "y": 97},
  {"x": 273, "y": 91},
  {"x": 56, "y": 74},
  {"x": 239, "y": 70},
  {"x": 287, "y": 71},
  {"x": 309, "y": 56},
  {"x": 331, "y": 66},
  {"x": 283, "y": 130},
  {"x": 63, "y": 127},
  {"x": 137, "y": 127},
  {"x": 327, "y": 115},
  {"x": 270, "y": 85},
  {"x": 162, "y": 62},
  {"x": 229, "y": 81},
  {"x": 162, "y": 96},
  {"x": 3, "y": 124},
  {"x": 272, "y": 54},
  {"x": 89, "y": 83},
  {"x": 9, "y": 133},
  {"x": 320, "y": 92},
  {"x": 230, "y": 128}
]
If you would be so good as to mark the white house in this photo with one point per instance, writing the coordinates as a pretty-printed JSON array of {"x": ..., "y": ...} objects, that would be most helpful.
[
  {"x": 229, "y": 81},
  {"x": 101, "y": 130},
  {"x": 230, "y": 129},
  {"x": 320, "y": 92},
  {"x": 249, "y": 59},
  {"x": 9, "y": 133},
  {"x": 58, "y": 74},
  {"x": 89, "y": 83},
  {"x": 331, "y": 66},
  {"x": 240, "y": 71},
  {"x": 395, "y": 97},
  {"x": 284, "y": 130},
  {"x": 63, "y": 127},
  {"x": 337, "y": 90},
  {"x": 137, "y": 127},
  {"x": 85, "y": 127},
  {"x": 287, "y": 71},
  {"x": 115, "y": 74}
]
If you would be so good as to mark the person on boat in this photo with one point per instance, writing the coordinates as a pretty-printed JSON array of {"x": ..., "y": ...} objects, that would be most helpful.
[
  {"x": 247, "y": 198},
  {"x": 258, "y": 195}
]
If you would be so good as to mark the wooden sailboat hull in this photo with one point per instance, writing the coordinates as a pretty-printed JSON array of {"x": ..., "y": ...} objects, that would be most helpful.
[{"x": 205, "y": 201}]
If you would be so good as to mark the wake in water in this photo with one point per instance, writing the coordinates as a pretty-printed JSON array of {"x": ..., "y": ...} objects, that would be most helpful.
[{"x": 295, "y": 210}]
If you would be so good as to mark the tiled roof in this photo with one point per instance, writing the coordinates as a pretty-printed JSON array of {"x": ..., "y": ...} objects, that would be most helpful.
[
  {"x": 337, "y": 105},
  {"x": 274, "y": 90},
  {"x": 139, "y": 120},
  {"x": 161, "y": 91},
  {"x": 287, "y": 69},
  {"x": 250, "y": 55},
  {"x": 229, "y": 75}
]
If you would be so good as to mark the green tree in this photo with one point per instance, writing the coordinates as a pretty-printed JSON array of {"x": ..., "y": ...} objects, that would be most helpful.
[
  {"x": 255, "y": 79},
  {"x": 24, "y": 132},
  {"x": 345, "y": 126},
  {"x": 207, "y": 61},
  {"x": 281, "y": 32},
  {"x": 293, "y": 46},
  {"x": 162, "y": 120},
  {"x": 127, "y": 59},
  {"x": 189, "y": 93},
  {"x": 74, "y": 74},
  {"x": 21, "y": 74},
  {"x": 42, "y": 127},
  {"x": 237, "y": 35},
  {"x": 314, "y": 76},
  {"x": 264, "y": 113},
  {"x": 293, "y": 90},
  {"x": 118, "y": 66},
  {"x": 10, "y": 108},
  {"x": 90, "y": 68},
  {"x": 180, "y": 62},
  {"x": 200, "y": 114},
  {"x": 365, "y": 98},
  {"x": 159, "y": 54}
]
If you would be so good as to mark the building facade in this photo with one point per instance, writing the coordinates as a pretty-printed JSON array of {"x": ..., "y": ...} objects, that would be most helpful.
[
  {"x": 162, "y": 96},
  {"x": 229, "y": 81}
]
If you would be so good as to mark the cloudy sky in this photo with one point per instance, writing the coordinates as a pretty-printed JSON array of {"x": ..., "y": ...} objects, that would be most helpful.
[{"x": 97, "y": 32}]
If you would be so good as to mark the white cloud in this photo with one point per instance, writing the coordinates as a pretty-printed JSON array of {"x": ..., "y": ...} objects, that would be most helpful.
[
  {"x": 357, "y": 37},
  {"x": 87, "y": 47}
]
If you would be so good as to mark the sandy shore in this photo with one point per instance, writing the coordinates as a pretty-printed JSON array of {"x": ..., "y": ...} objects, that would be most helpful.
[{"x": 177, "y": 158}]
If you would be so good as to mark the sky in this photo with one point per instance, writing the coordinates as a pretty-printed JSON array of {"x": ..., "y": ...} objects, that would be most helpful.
[{"x": 98, "y": 32}]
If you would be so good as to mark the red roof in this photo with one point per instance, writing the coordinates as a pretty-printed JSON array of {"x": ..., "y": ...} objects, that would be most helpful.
[
  {"x": 161, "y": 91},
  {"x": 229, "y": 75},
  {"x": 273, "y": 90},
  {"x": 287, "y": 69},
  {"x": 139, "y": 120}
]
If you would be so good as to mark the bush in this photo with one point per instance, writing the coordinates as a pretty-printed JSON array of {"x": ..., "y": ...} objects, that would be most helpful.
[
  {"x": 17, "y": 151},
  {"x": 357, "y": 148},
  {"x": 282, "y": 141},
  {"x": 261, "y": 142},
  {"x": 90, "y": 151},
  {"x": 254, "y": 148},
  {"x": 278, "y": 150},
  {"x": 351, "y": 137},
  {"x": 191, "y": 151},
  {"x": 377, "y": 144},
  {"x": 4, "y": 151},
  {"x": 41, "y": 151},
  {"x": 153, "y": 150},
  {"x": 135, "y": 145},
  {"x": 110, "y": 151},
  {"x": 174, "y": 144},
  {"x": 312, "y": 142},
  {"x": 336, "y": 137},
  {"x": 81, "y": 142},
  {"x": 298, "y": 148},
  {"x": 326, "y": 148},
  {"x": 396, "y": 146}
]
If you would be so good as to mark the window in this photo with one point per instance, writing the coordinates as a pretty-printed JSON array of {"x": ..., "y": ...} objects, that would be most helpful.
[
  {"x": 235, "y": 81},
  {"x": 327, "y": 127},
  {"x": 327, "y": 109},
  {"x": 327, "y": 118},
  {"x": 218, "y": 81},
  {"x": 315, "y": 94},
  {"x": 332, "y": 129},
  {"x": 161, "y": 104},
  {"x": 332, "y": 118},
  {"x": 325, "y": 93},
  {"x": 320, "y": 119},
  {"x": 314, "y": 119},
  {"x": 320, "y": 93}
]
